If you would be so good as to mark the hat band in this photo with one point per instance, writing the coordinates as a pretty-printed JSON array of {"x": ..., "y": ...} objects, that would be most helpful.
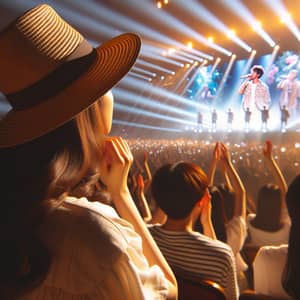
[{"x": 52, "y": 84}]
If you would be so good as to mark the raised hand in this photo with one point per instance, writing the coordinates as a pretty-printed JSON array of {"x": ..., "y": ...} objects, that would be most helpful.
[
  {"x": 216, "y": 153},
  {"x": 225, "y": 155},
  {"x": 267, "y": 149},
  {"x": 115, "y": 165}
]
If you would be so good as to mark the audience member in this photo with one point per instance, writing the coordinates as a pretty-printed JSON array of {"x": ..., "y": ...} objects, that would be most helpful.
[
  {"x": 270, "y": 225},
  {"x": 276, "y": 268},
  {"x": 181, "y": 191},
  {"x": 234, "y": 198},
  {"x": 292, "y": 267},
  {"x": 53, "y": 140}
]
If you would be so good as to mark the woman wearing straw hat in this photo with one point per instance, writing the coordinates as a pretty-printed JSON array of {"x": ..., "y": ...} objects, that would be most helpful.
[{"x": 52, "y": 144}]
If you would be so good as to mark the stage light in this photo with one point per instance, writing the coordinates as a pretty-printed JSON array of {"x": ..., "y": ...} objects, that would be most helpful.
[
  {"x": 153, "y": 66},
  {"x": 282, "y": 149},
  {"x": 190, "y": 45},
  {"x": 139, "y": 76},
  {"x": 256, "y": 26},
  {"x": 285, "y": 18},
  {"x": 159, "y": 5},
  {"x": 210, "y": 39},
  {"x": 200, "y": 11},
  {"x": 231, "y": 33},
  {"x": 187, "y": 65},
  {"x": 166, "y": 1}
]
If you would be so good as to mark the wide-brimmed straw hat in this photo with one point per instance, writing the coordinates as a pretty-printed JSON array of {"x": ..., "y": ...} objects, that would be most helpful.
[{"x": 50, "y": 73}]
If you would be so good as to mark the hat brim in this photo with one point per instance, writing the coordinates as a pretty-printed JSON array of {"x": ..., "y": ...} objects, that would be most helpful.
[{"x": 114, "y": 60}]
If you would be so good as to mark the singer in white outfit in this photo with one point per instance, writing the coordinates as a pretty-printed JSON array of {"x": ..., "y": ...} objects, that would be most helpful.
[
  {"x": 290, "y": 91},
  {"x": 255, "y": 93}
]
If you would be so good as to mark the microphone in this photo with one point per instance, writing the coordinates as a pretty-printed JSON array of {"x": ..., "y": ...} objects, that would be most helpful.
[{"x": 245, "y": 76}]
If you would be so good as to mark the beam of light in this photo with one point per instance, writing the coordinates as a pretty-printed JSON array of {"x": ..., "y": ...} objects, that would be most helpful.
[
  {"x": 180, "y": 57},
  {"x": 91, "y": 13},
  {"x": 161, "y": 17},
  {"x": 148, "y": 50},
  {"x": 217, "y": 61},
  {"x": 133, "y": 98},
  {"x": 154, "y": 66},
  {"x": 271, "y": 60},
  {"x": 183, "y": 78},
  {"x": 160, "y": 92},
  {"x": 241, "y": 11},
  {"x": 279, "y": 8},
  {"x": 140, "y": 76},
  {"x": 192, "y": 79},
  {"x": 139, "y": 125},
  {"x": 97, "y": 11},
  {"x": 137, "y": 69},
  {"x": 225, "y": 76},
  {"x": 161, "y": 58},
  {"x": 200, "y": 55},
  {"x": 146, "y": 113},
  {"x": 198, "y": 10}
]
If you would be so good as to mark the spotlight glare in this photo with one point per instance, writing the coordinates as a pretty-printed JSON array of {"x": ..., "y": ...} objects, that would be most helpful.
[
  {"x": 231, "y": 33},
  {"x": 210, "y": 39},
  {"x": 257, "y": 26},
  {"x": 159, "y": 5},
  {"x": 171, "y": 50},
  {"x": 286, "y": 18},
  {"x": 190, "y": 45},
  {"x": 187, "y": 65}
]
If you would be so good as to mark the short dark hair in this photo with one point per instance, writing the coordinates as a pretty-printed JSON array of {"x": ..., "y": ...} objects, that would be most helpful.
[
  {"x": 177, "y": 187},
  {"x": 259, "y": 70}
]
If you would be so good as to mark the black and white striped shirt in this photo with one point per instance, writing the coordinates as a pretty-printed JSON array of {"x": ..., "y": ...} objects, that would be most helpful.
[{"x": 200, "y": 256}]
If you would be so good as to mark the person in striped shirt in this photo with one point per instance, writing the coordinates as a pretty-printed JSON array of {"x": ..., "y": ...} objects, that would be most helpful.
[{"x": 181, "y": 191}]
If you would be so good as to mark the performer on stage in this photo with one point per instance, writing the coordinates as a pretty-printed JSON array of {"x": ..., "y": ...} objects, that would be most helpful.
[
  {"x": 247, "y": 119},
  {"x": 284, "y": 117},
  {"x": 200, "y": 121},
  {"x": 290, "y": 91},
  {"x": 214, "y": 118},
  {"x": 229, "y": 119},
  {"x": 255, "y": 92}
]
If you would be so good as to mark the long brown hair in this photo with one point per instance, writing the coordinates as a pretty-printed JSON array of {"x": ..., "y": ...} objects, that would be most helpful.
[{"x": 36, "y": 177}]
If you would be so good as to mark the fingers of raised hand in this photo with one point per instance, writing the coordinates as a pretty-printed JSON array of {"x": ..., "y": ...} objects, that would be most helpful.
[{"x": 118, "y": 150}]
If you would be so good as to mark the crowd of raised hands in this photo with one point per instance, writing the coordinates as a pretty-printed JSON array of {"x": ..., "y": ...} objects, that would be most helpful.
[{"x": 251, "y": 223}]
